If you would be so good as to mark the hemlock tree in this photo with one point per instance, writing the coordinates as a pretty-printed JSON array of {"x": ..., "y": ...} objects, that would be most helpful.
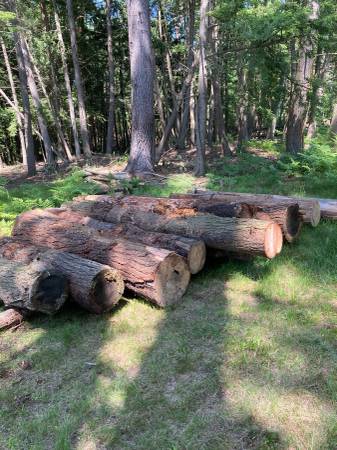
[{"x": 142, "y": 84}]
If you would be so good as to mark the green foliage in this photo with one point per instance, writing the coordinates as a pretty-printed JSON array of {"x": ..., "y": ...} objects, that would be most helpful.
[{"x": 31, "y": 196}]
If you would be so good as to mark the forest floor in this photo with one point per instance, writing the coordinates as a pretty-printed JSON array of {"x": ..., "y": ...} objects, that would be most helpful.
[{"x": 247, "y": 361}]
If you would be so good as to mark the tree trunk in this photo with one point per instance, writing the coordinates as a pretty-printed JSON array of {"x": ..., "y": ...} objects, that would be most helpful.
[
  {"x": 202, "y": 91},
  {"x": 247, "y": 236},
  {"x": 16, "y": 103},
  {"x": 33, "y": 287},
  {"x": 10, "y": 318},
  {"x": 110, "y": 139},
  {"x": 37, "y": 103},
  {"x": 142, "y": 82},
  {"x": 95, "y": 287},
  {"x": 29, "y": 161},
  {"x": 193, "y": 250},
  {"x": 333, "y": 124},
  {"x": 67, "y": 82},
  {"x": 156, "y": 274},
  {"x": 78, "y": 80},
  {"x": 298, "y": 103},
  {"x": 309, "y": 208},
  {"x": 242, "y": 108}
]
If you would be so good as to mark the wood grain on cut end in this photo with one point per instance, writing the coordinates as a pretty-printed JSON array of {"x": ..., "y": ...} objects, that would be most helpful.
[
  {"x": 196, "y": 257},
  {"x": 273, "y": 240},
  {"x": 107, "y": 289},
  {"x": 171, "y": 280}
]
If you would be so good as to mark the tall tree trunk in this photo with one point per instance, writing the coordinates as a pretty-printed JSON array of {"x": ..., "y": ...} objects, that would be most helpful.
[
  {"x": 78, "y": 80},
  {"x": 67, "y": 82},
  {"x": 202, "y": 91},
  {"x": 16, "y": 102},
  {"x": 242, "y": 108},
  {"x": 37, "y": 103},
  {"x": 333, "y": 124},
  {"x": 30, "y": 161},
  {"x": 110, "y": 139},
  {"x": 321, "y": 66},
  {"x": 181, "y": 141},
  {"x": 142, "y": 83},
  {"x": 298, "y": 104}
]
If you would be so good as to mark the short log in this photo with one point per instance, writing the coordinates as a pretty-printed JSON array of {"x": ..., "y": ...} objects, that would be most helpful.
[{"x": 10, "y": 318}]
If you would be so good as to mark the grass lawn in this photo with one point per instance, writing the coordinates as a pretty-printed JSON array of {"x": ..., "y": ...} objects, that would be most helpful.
[{"x": 247, "y": 361}]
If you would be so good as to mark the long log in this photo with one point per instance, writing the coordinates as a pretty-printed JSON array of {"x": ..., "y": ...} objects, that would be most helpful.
[
  {"x": 10, "y": 318},
  {"x": 33, "y": 287},
  {"x": 309, "y": 208},
  {"x": 94, "y": 286},
  {"x": 158, "y": 275},
  {"x": 242, "y": 236},
  {"x": 193, "y": 250},
  {"x": 285, "y": 214},
  {"x": 328, "y": 207}
]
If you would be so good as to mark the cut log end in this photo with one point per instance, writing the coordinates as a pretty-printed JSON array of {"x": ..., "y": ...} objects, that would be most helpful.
[
  {"x": 49, "y": 292},
  {"x": 273, "y": 240},
  {"x": 108, "y": 287},
  {"x": 293, "y": 223},
  {"x": 171, "y": 280},
  {"x": 196, "y": 257}
]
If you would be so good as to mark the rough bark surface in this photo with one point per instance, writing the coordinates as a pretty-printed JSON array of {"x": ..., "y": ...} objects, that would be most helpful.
[
  {"x": 96, "y": 287},
  {"x": 34, "y": 287},
  {"x": 10, "y": 318},
  {"x": 156, "y": 274},
  {"x": 193, "y": 250},
  {"x": 248, "y": 236},
  {"x": 286, "y": 215},
  {"x": 309, "y": 208}
]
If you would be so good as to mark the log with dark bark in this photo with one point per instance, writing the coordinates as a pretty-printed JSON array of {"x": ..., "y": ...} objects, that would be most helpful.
[
  {"x": 194, "y": 250},
  {"x": 10, "y": 318},
  {"x": 156, "y": 274},
  {"x": 242, "y": 236},
  {"x": 33, "y": 287},
  {"x": 309, "y": 207},
  {"x": 94, "y": 286},
  {"x": 285, "y": 214}
]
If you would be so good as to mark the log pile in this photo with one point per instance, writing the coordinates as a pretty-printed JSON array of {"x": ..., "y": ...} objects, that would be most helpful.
[{"x": 92, "y": 248}]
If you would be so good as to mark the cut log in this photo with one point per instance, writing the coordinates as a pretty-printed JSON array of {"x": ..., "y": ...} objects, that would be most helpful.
[
  {"x": 285, "y": 214},
  {"x": 194, "y": 250},
  {"x": 10, "y": 318},
  {"x": 242, "y": 236},
  {"x": 309, "y": 208},
  {"x": 94, "y": 286},
  {"x": 328, "y": 208},
  {"x": 33, "y": 287},
  {"x": 158, "y": 275}
]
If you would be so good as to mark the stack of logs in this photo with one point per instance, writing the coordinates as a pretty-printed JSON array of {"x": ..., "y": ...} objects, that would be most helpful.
[{"x": 97, "y": 247}]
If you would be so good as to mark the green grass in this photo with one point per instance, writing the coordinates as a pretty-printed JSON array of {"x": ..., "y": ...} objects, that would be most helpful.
[{"x": 247, "y": 361}]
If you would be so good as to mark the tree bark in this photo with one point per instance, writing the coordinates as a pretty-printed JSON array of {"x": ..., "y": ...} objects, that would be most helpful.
[
  {"x": 10, "y": 318},
  {"x": 95, "y": 287},
  {"x": 16, "y": 103},
  {"x": 242, "y": 236},
  {"x": 158, "y": 275},
  {"x": 193, "y": 250},
  {"x": 286, "y": 215},
  {"x": 29, "y": 161},
  {"x": 333, "y": 124},
  {"x": 33, "y": 287},
  {"x": 67, "y": 82},
  {"x": 202, "y": 91},
  {"x": 298, "y": 103},
  {"x": 142, "y": 81},
  {"x": 79, "y": 83},
  {"x": 37, "y": 103},
  {"x": 309, "y": 208},
  {"x": 242, "y": 108},
  {"x": 110, "y": 139}
]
